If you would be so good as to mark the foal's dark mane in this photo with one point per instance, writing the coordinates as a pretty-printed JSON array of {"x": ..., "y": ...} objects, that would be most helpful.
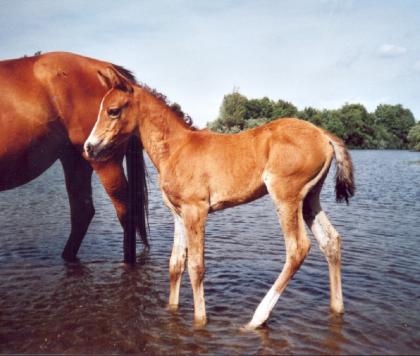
[{"x": 175, "y": 108}]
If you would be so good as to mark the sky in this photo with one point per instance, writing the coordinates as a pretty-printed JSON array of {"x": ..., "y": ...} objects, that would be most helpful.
[{"x": 321, "y": 53}]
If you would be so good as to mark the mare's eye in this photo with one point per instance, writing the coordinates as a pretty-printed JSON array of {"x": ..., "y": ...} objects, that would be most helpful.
[{"x": 114, "y": 113}]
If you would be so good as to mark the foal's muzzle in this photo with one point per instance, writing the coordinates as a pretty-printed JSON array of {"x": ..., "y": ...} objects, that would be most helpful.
[
  {"x": 93, "y": 151},
  {"x": 99, "y": 151},
  {"x": 89, "y": 150}
]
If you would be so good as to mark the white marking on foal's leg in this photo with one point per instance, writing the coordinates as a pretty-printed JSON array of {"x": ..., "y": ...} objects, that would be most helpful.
[
  {"x": 264, "y": 309},
  {"x": 330, "y": 245},
  {"x": 177, "y": 262}
]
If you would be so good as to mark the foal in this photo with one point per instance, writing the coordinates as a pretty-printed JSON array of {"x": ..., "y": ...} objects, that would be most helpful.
[{"x": 201, "y": 172}]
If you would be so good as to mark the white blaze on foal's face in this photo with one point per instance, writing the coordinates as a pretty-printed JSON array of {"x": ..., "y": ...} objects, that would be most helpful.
[{"x": 115, "y": 123}]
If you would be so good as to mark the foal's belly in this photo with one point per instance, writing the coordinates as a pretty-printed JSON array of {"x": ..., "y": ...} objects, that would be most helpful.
[{"x": 221, "y": 200}]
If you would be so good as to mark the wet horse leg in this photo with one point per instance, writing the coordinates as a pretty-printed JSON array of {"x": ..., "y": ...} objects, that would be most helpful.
[
  {"x": 78, "y": 174},
  {"x": 177, "y": 262},
  {"x": 194, "y": 218},
  {"x": 112, "y": 177},
  {"x": 297, "y": 246},
  {"x": 329, "y": 242}
]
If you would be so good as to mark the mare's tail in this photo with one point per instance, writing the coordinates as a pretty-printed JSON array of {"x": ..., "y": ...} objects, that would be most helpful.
[{"x": 137, "y": 187}]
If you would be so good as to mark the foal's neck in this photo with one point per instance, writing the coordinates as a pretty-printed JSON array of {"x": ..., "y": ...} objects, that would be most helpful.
[{"x": 161, "y": 129}]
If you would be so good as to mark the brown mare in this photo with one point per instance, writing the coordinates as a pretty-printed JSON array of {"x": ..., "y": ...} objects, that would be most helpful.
[
  {"x": 201, "y": 172},
  {"x": 49, "y": 106}
]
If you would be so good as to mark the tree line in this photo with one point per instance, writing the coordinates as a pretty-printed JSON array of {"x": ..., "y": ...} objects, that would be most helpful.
[{"x": 388, "y": 127}]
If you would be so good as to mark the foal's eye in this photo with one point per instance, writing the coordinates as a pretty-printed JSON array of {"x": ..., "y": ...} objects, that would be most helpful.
[{"x": 114, "y": 113}]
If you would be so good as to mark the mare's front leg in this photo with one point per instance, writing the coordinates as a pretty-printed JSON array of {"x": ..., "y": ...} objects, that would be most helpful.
[
  {"x": 112, "y": 177},
  {"x": 194, "y": 218},
  {"x": 177, "y": 262},
  {"x": 78, "y": 175}
]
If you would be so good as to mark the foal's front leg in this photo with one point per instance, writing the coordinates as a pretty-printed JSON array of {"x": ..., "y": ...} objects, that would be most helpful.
[
  {"x": 194, "y": 218},
  {"x": 177, "y": 262}
]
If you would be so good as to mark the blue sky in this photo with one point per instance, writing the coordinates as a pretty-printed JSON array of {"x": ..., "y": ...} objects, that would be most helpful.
[{"x": 321, "y": 53}]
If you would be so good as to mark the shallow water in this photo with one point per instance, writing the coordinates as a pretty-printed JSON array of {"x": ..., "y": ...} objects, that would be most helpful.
[{"x": 100, "y": 306}]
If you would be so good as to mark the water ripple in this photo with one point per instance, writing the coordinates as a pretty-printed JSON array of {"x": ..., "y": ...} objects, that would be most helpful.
[{"x": 99, "y": 306}]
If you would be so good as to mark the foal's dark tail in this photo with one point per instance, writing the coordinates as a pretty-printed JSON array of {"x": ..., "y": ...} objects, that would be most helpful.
[
  {"x": 344, "y": 179},
  {"x": 137, "y": 187}
]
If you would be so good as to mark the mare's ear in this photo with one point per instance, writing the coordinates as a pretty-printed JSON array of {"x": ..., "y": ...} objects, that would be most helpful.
[{"x": 110, "y": 78}]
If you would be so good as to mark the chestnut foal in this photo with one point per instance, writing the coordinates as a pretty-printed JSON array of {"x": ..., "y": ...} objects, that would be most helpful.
[{"x": 201, "y": 172}]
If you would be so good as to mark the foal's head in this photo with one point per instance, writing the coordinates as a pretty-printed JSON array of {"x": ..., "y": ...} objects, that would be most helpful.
[{"x": 116, "y": 119}]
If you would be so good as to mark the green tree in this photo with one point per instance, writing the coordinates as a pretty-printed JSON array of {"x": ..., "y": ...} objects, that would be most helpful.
[
  {"x": 357, "y": 125},
  {"x": 414, "y": 137},
  {"x": 388, "y": 127},
  {"x": 384, "y": 139},
  {"x": 283, "y": 109},
  {"x": 232, "y": 114},
  {"x": 233, "y": 109},
  {"x": 251, "y": 123},
  {"x": 308, "y": 114},
  {"x": 397, "y": 120},
  {"x": 332, "y": 120},
  {"x": 259, "y": 108}
]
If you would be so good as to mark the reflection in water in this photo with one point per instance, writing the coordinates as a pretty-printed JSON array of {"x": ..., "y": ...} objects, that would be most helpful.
[
  {"x": 277, "y": 346},
  {"x": 76, "y": 269},
  {"x": 99, "y": 305},
  {"x": 334, "y": 338}
]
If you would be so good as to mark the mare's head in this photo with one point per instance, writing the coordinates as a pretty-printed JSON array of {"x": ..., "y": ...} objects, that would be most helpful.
[{"x": 116, "y": 120}]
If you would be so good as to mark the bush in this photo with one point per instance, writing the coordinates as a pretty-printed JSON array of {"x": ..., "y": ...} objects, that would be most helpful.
[{"x": 414, "y": 137}]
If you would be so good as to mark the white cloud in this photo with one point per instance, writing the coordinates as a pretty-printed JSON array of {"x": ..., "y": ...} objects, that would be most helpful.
[
  {"x": 417, "y": 65},
  {"x": 391, "y": 50}
]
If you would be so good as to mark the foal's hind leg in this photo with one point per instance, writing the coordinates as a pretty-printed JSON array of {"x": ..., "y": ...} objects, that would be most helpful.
[
  {"x": 194, "y": 218},
  {"x": 329, "y": 242},
  {"x": 177, "y": 262},
  {"x": 297, "y": 247},
  {"x": 78, "y": 175}
]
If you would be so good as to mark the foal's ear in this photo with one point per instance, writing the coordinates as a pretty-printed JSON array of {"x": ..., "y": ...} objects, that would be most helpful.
[{"x": 110, "y": 78}]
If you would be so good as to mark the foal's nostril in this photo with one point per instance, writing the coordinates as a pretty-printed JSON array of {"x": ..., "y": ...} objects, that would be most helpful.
[{"x": 89, "y": 149}]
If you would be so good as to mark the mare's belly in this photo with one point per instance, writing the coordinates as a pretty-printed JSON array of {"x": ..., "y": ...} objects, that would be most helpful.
[{"x": 21, "y": 166}]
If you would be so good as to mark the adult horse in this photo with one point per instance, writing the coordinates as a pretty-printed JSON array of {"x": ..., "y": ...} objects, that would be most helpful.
[
  {"x": 49, "y": 106},
  {"x": 201, "y": 172}
]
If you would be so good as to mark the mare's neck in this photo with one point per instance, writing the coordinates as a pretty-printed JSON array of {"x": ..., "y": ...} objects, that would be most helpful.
[{"x": 161, "y": 129}]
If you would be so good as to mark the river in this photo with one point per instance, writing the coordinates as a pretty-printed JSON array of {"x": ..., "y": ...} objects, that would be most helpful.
[{"x": 98, "y": 305}]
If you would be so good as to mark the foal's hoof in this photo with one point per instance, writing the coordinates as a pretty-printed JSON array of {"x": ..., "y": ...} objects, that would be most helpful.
[
  {"x": 252, "y": 327},
  {"x": 200, "y": 323},
  {"x": 172, "y": 307},
  {"x": 248, "y": 327},
  {"x": 337, "y": 308}
]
